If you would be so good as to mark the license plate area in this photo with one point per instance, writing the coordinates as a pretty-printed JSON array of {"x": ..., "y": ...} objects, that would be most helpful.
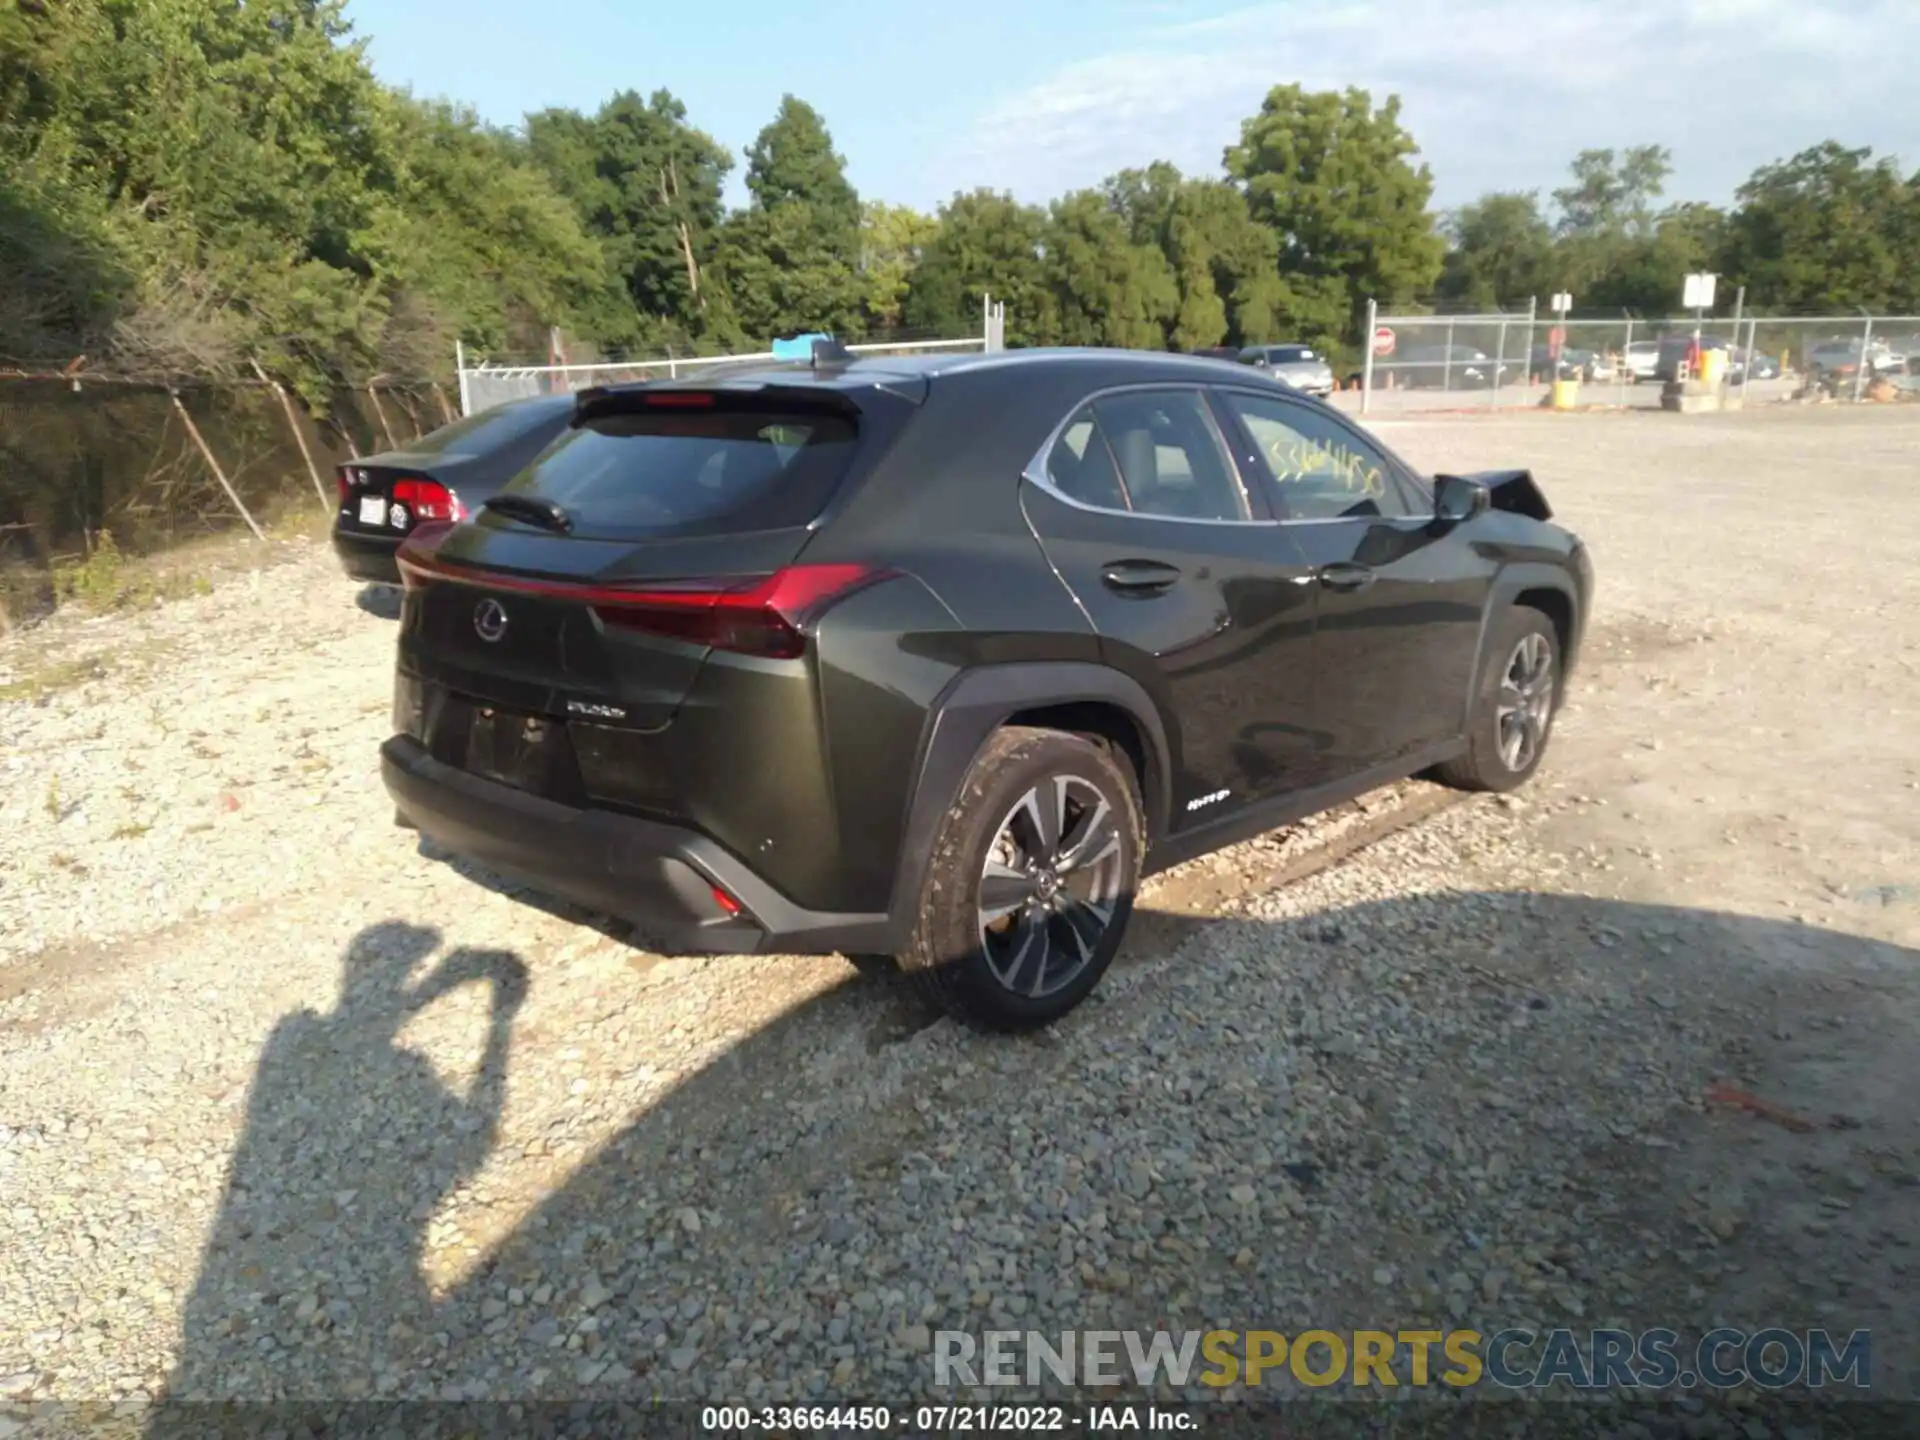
[
  {"x": 528, "y": 752},
  {"x": 373, "y": 510},
  {"x": 516, "y": 750}
]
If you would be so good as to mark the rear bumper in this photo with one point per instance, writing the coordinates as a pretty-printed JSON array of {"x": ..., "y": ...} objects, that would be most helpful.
[
  {"x": 368, "y": 557},
  {"x": 658, "y": 877}
]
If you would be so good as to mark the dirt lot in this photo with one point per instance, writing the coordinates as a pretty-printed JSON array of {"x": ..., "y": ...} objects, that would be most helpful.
[{"x": 288, "y": 1108}]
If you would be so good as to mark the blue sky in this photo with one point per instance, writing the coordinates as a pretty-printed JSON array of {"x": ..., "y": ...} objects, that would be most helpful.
[{"x": 1039, "y": 96}]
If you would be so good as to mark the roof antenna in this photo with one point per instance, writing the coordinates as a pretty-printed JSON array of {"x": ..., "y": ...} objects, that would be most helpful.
[
  {"x": 829, "y": 351},
  {"x": 816, "y": 348}
]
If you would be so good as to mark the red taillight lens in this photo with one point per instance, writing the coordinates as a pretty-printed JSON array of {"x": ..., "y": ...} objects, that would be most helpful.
[
  {"x": 680, "y": 400},
  {"x": 758, "y": 617},
  {"x": 765, "y": 616},
  {"x": 343, "y": 480},
  {"x": 428, "y": 500},
  {"x": 725, "y": 901}
]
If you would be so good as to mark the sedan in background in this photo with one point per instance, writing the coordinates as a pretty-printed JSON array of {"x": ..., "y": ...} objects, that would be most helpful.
[
  {"x": 1642, "y": 360},
  {"x": 440, "y": 477},
  {"x": 1443, "y": 367},
  {"x": 1300, "y": 366},
  {"x": 1907, "y": 346},
  {"x": 1583, "y": 365},
  {"x": 1834, "y": 362}
]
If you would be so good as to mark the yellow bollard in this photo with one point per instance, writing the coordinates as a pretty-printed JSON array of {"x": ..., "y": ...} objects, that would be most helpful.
[
  {"x": 1566, "y": 394},
  {"x": 1713, "y": 367}
]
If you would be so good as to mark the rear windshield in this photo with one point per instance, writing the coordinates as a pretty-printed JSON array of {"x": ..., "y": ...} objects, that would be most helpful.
[
  {"x": 489, "y": 429},
  {"x": 1290, "y": 355},
  {"x": 695, "y": 471}
]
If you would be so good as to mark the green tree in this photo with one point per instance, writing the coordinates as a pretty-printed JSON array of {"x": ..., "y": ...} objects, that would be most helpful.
[
  {"x": 1224, "y": 262},
  {"x": 792, "y": 162},
  {"x": 988, "y": 244},
  {"x": 1613, "y": 193},
  {"x": 1647, "y": 273},
  {"x": 1830, "y": 229},
  {"x": 648, "y": 185},
  {"x": 1108, "y": 288},
  {"x": 468, "y": 227},
  {"x": 778, "y": 279},
  {"x": 892, "y": 240},
  {"x": 1502, "y": 251},
  {"x": 200, "y": 183},
  {"x": 790, "y": 260},
  {"x": 1335, "y": 180},
  {"x": 1609, "y": 219}
]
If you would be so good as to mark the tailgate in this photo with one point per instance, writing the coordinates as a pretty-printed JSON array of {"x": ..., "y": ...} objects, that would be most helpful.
[{"x": 524, "y": 633}]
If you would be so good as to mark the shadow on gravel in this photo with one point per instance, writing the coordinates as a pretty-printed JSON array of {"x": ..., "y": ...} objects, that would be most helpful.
[
  {"x": 1414, "y": 1088},
  {"x": 381, "y": 600},
  {"x": 350, "y": 1142}
]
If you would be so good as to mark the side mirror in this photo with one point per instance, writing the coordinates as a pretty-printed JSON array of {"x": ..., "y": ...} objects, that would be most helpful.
[{"x": 1457, "y": 500}]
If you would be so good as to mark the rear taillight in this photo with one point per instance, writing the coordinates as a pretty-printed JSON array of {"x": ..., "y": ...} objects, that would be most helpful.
[
  {"x": 343, "y": 480},
  {"x": 428, "y": 500},
  {"x": 765, "y": 616},
  {"x": 758, "y": 617}
]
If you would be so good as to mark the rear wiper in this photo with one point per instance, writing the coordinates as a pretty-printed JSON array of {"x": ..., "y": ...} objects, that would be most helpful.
[{"x": 530, "y": 508}]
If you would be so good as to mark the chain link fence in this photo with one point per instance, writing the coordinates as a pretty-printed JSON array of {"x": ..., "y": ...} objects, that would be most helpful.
[
  {"x": 153, "y": 466},
  {"x": 1507, "y": 360}
]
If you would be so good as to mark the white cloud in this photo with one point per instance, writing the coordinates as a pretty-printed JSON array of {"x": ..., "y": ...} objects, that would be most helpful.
[{"x": 1500, "y": 94}]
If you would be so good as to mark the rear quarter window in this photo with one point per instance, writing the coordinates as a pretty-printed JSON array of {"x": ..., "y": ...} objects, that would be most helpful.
[{"x": 694, "y": 472}]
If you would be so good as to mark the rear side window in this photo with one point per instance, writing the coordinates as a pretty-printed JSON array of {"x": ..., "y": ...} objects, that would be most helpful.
[
  {"x": 695, "y": 471},
  {"x": 1081, "y": 466},
  {"x": 1170, "y": 456}
]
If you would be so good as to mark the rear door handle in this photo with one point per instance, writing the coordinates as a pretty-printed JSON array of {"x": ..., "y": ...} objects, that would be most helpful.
[
  {"x": 1139, "y": 577},
  {"x": 1346, "y": 577}
]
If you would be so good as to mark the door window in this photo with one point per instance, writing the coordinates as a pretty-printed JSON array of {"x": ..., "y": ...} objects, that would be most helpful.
[
  {"x": 1321, "y": 469},
  {"x": 1148, "y": 452}
]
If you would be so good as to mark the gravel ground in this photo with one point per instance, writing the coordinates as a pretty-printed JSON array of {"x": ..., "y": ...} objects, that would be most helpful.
[{"x": 290, "y": 1109}]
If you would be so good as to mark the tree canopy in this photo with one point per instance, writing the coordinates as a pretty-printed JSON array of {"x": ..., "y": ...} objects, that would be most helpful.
[{"x": 198, "y": 185}]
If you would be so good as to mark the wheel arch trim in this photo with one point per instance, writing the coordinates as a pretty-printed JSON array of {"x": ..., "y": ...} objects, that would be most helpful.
[
  {"x": 1511, "y": 583},
  {"x": 967, "y": 712}
]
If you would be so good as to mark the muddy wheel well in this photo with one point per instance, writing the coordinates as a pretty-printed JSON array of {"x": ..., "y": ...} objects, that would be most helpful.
[{"x": 1106, "y": 725}]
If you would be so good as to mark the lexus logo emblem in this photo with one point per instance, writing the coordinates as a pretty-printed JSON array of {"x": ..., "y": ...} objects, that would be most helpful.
[{"x": 489, "y": 620}]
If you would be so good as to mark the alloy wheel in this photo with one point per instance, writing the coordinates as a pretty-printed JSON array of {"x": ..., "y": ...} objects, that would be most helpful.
[
  {"x": 1526, "y": 701},
  {"x": 1051, "y": 885}
]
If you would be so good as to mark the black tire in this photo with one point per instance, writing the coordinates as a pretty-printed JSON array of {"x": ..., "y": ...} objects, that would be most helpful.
[
  {"x": 1489, "y": 762},
  {"x": 960, "y": 959}
]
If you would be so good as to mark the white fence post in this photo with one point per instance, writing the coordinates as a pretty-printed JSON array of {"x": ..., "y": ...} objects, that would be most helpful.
[
  {"x": 1366, "y": 355},
  {"x": 1866, "y": 358},
  {"x": 1499, "y": 363},
  {"x": 460, "y": 372}
]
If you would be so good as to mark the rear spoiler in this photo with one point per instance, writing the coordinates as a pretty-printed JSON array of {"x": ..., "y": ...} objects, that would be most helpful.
[
  {"x": 1513, "y": 491},
  {"x": 627, "y": 399}
]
